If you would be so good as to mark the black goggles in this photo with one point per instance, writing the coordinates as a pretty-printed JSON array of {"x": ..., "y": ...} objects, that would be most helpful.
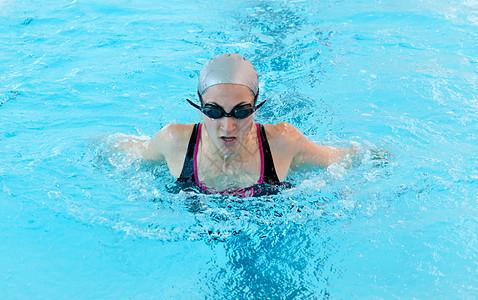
[{"x": 217, "y": 112}]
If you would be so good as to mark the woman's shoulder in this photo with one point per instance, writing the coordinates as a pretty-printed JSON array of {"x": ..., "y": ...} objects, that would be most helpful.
[
  {"x": 282, "y": 132},
  {"x": 177, "y": 131},
  {"x": 283, "y": 135},
  {"x": 172, "y": 137}
]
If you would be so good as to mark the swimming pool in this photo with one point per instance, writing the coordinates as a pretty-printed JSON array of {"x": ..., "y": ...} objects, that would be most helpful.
[{"x": 80, "y": 221}]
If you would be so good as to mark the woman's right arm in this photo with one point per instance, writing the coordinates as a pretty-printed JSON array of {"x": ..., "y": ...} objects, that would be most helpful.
[
  {"x": 153, "y": 149},
  {"x": 171, "y": 140}
]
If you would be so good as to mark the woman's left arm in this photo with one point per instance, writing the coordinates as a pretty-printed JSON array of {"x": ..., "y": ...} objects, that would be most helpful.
[{"x": 307, "y": 153}]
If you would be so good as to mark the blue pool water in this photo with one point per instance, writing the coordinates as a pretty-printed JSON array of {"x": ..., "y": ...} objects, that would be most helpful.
[{"x": 79, "y": 220}]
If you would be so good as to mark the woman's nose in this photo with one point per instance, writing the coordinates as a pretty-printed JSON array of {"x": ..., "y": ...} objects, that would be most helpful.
[{"x": 228, "y": 124}]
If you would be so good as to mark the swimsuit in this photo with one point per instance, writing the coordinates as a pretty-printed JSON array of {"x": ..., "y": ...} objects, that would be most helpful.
[{"x": 268, "y": 182}]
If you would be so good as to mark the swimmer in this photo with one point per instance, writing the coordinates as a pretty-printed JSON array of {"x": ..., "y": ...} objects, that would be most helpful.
[{"x": 228, "y": 153}]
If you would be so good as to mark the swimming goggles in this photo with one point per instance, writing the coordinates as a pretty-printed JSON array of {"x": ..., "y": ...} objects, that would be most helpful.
[{"x": 217, "y": 112}]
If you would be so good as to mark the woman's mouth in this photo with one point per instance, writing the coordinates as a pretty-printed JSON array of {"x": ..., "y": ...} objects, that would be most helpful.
[{"x": 228, "y": 140}]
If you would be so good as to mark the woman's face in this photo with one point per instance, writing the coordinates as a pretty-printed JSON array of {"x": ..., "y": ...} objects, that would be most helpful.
[{"x": 228, "y": 133}]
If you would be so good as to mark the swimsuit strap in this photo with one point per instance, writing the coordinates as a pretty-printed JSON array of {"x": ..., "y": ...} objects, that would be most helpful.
[
  {"x": 187, "y": 174},
  {"x": 270, "y": 174},
  {"x": 196, "y": 148},
  {"x": 261, "y": 151}
]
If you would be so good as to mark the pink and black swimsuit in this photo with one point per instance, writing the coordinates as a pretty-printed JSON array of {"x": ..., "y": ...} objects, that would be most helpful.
[{"x": 268, "y": 182}]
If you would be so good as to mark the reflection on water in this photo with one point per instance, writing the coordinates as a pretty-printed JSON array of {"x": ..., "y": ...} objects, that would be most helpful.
[{"x": 281, "y": 260}]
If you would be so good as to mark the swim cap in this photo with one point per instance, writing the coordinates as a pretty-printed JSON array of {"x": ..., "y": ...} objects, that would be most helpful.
[{"x": 228, "y": 68}]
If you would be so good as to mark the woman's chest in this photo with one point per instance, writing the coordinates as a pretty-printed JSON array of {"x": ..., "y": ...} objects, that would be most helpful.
[{"x": 221, "y": 174}]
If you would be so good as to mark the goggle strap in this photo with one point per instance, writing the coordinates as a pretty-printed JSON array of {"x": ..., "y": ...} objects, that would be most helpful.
[
  {"x": 200, "y": 99},
  {"x": 193, "y": 104},
  {"x": 260, "y": 104}
]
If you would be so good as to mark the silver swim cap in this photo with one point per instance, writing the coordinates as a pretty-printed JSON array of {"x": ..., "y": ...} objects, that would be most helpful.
[{"x": 228, "y": 68}]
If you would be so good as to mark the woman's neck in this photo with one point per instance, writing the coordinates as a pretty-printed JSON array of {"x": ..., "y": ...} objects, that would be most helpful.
[{"x": 241, "y": 154}]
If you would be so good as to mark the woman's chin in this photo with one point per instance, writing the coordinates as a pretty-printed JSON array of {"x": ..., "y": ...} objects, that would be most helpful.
[{"x": 229, "y": 149}]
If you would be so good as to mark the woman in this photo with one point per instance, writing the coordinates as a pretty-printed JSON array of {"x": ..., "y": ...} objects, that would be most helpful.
[{"x": 228, "y": 153}]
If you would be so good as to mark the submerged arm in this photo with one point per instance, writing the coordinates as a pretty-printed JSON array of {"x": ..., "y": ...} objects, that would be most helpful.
[
  {"x": 154, "y": 149},
  {"x": 140, "y": 148},
  {"x": 169, "y": 144}
]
